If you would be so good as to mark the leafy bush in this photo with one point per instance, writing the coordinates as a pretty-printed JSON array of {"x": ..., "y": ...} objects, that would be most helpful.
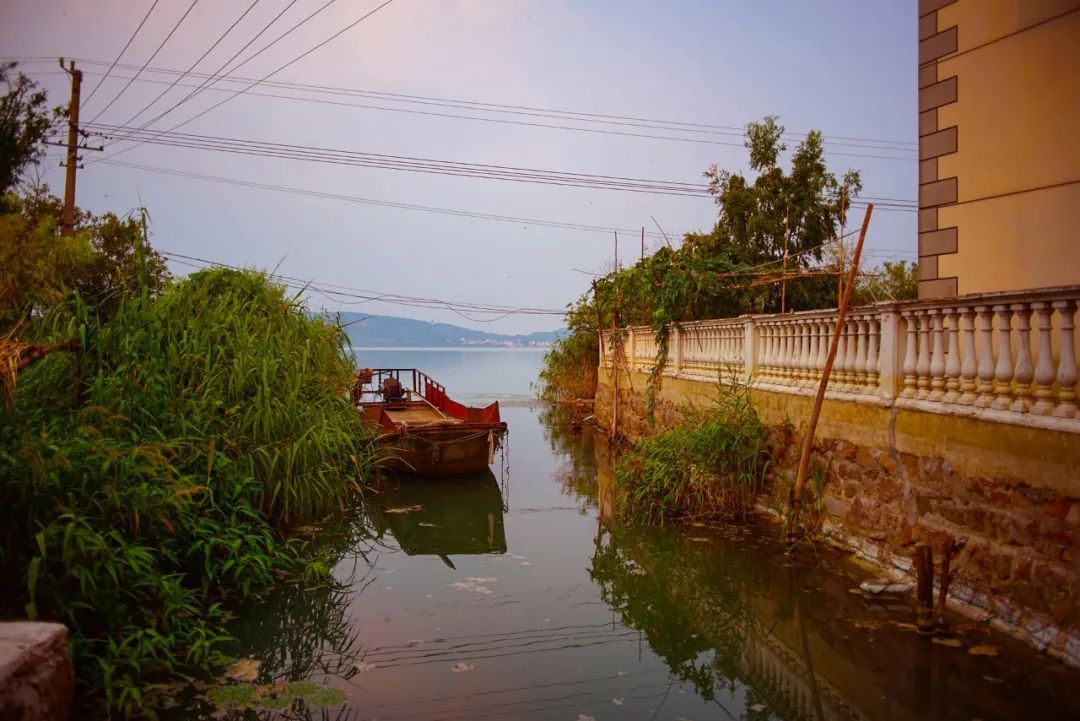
[
  {"x": 712, "y": 465},
  {"x": 153, "y": 476},
  {"x": 569, "y": 369}
]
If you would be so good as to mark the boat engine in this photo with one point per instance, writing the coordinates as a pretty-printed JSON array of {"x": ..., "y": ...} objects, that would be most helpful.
[{"x": 392, "y": 390}]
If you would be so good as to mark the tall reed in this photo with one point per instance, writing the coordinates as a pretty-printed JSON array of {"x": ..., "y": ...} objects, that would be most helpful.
[
  {"x": 154, "y": 476},
  {"x": 712, "y": 465}
]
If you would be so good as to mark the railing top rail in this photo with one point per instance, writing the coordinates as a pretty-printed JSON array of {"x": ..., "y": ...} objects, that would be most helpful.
[{"x": 1057, "y": 293}]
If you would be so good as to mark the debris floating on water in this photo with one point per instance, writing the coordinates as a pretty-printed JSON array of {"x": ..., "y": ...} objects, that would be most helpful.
[
  {"x": 982, "y": 651},
  {"x": 462, "y": 667},
  {"x": 476, "y": 584},
  {"x": 244, "y": 670},
  {"x": 885, "y": 587},
  {"x": 950, "y": 642},
  {"x": 404, "y": 509}
]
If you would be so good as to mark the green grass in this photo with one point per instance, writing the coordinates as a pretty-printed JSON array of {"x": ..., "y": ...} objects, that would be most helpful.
[
  {"x": 152, "y": 478},
  {"x": 713, "y": 465}
]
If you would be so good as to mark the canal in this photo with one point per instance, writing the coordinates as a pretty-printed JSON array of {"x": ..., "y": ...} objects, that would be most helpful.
[{"x": 512, "y": 596}]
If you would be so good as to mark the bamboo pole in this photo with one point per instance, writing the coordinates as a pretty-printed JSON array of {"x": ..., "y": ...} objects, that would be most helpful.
[{"x": 808, "y": 441}]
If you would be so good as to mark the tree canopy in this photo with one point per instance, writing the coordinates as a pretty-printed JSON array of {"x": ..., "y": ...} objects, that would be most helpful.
[{"x": 102, "y": 260}]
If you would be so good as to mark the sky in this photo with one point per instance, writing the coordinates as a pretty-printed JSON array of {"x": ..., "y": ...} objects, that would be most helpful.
[{"x": 845, "y": 67}]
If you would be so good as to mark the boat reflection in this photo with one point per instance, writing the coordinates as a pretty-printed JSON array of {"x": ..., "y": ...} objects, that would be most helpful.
[{"x": 441, "y": 516}]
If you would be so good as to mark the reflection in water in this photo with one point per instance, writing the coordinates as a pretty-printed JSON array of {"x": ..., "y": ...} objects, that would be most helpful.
[
  {"x": 302, "y": 633},
  {"x": 441, "y": 516},
  {"x": 587, "y": 617},
  {"x": 764, "y": 635}
]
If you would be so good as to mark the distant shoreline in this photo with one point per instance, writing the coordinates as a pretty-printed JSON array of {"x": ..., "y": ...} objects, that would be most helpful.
[{"x": 486, "y": 349}]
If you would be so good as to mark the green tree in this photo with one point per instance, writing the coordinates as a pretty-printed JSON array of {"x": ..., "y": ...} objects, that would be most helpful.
[
  {"x": 767, "y": 221},
  {"x": 776, "y": 215},
  {"x": 100, "y": 260},
  {"x": 25, "y": 123},
  {"x": 897, "y": 280}
]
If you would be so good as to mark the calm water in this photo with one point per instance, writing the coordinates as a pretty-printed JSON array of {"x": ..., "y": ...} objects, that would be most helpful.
[{"x": 506, "y": 596}]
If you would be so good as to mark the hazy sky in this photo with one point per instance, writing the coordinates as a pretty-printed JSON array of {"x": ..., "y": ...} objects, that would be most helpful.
[{"x": 847, "y": 68}]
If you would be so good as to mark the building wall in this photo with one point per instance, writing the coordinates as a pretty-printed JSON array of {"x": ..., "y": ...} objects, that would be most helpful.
[{"x": 999, "y": 171}]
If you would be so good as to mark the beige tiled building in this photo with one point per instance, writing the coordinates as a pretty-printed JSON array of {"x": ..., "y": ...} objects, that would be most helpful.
[{"x": 999, "y": 145}]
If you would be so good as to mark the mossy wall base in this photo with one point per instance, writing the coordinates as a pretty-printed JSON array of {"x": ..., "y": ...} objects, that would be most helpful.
[{"x": 895, "y": 477}]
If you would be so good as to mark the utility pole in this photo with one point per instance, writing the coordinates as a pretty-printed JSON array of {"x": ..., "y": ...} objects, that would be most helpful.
[{"x": 68, "y": 223}]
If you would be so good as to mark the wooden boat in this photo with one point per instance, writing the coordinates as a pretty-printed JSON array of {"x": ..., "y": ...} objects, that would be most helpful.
[{"x": 422, "y": 430}]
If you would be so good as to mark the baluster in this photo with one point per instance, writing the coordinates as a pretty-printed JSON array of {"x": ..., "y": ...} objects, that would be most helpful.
[
  {"x": 1044, "y": 364},
  {"x": 804, "y": 351},
  {"x": 702, "y": 349},
  {"x": 793, "y": 360},
  {"x": 922, "y": 366},
  {"x": 850, "y": 346},
  {"x": 763, "y": 350},
  {"x": 937, "y": 358},
  {"x": 910, "y": 364},
  {"x": 815, "y": 343},
  {"x": 796, "y": 352},
  {"x": 771, "y": 368},
  {"x": 969, "y": 369},
  {"x": 785, "y": 353},
  {"x": 839, "y": 380},
  {"x": 1066, "y": 376},
  {"x": 860, "y": 352},
  {"x": 952, "y": 359},
  {"x": 1003, "y": 373},
  {"x": 823, "y": 345},
  {"x": 985, "y": 387},
  {"x": 872, "y": 361},
  {"x": 1023, "y": 373},
  {"x": 706, "y": 349}
]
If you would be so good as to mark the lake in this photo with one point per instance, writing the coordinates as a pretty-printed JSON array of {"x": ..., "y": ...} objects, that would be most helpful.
[{"x": 508, "y": 596}]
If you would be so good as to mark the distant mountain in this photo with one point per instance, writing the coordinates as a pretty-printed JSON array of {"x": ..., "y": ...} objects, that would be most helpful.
[{"x": 384, "y": 331}]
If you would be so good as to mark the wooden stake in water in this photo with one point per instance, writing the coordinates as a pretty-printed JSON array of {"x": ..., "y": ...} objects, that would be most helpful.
[{"x": 924, "y": 590}]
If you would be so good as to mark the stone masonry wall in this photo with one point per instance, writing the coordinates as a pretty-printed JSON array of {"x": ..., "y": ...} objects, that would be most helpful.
[{"x": 886, "y": 489}]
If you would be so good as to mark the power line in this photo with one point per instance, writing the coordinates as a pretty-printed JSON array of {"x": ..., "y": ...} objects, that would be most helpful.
[
  {"x": 370, "y": 295},
  {"x": 429, "y": 165},
  {"x": 149, "y": 60},
  {"x": 382, "y": 203},
  {"x": 282, "y": 67},
  {"x": 501, "y": 121},
  {"x": 609, "y": 119},
  {"x": 193, "y": 65},
  {"x": 210, "y": 79},
  {"x": 235, "y": 55},
  {"x": 122, "y": 51}
]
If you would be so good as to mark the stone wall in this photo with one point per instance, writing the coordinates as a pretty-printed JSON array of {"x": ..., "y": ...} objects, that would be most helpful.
[
  {"x": 897, "y": 477},
  {"x": 36, "y": 676}
]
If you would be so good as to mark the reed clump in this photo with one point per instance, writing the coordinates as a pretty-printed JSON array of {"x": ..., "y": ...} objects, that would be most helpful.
[
  {"x": 152, "y": 477},
  {"x": 711, "y": 466},
  {"x": 570, "y": 365}
]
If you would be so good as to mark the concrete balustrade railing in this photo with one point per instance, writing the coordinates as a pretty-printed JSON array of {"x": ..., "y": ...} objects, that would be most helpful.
[{"x": 1004, "y": 356}]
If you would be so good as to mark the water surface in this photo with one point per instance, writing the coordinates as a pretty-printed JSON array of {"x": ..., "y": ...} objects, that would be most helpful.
[{"x": 506, "y": 596}]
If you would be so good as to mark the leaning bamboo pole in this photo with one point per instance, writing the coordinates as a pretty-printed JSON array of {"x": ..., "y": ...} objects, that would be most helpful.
[{"x": 808, "y": 441}]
